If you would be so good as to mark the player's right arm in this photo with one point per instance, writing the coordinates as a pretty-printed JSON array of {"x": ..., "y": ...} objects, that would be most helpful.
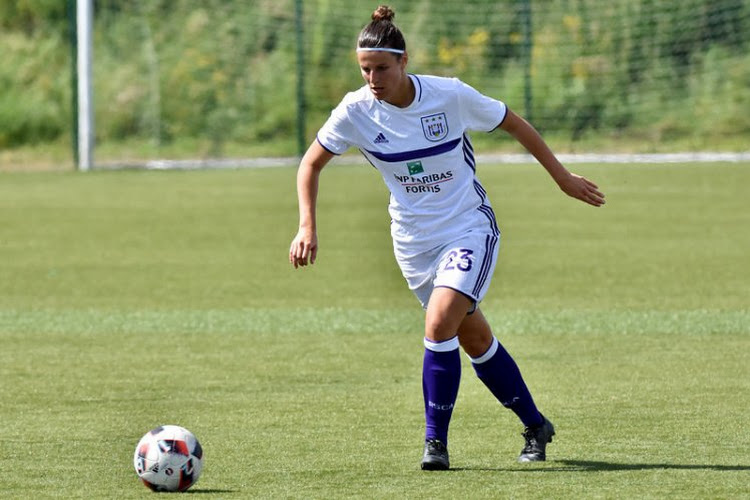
[{"x": 304, "y": 246}]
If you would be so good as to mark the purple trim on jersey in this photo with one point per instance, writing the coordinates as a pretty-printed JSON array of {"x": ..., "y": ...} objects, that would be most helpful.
[
  {"x": 501, "y": 121},
  {"x": 469, "y": 154},
  {"x": 468, "y": 162},
  {"x": 487, "y": 211},
  {"x": 419, "y": 94},
  {"x": 417, "y": 153},
  {"x": 504, "y": 117},
  {"x": 469, "y": 147},
  {"x": 368, "y": 160},
  {"x": 323, "y": 146},
  {"x": 489, "y": 250},
  {"x": 480, "y": 190}
]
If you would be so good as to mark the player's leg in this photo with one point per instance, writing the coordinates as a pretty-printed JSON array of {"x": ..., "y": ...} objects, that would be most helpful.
[
  {"x": 496, "y": 368},
  {"x": 499, "y": 372},
  {"x": 441, "y": 371},
  {"x": 461, "y": 270}
]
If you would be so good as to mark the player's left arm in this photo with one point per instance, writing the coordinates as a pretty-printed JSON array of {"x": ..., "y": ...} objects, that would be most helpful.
[{"x": 573, "y": 185}]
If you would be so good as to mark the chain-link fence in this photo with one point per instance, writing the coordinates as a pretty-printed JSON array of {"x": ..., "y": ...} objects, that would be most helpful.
[{"x": 221, "y": 78}]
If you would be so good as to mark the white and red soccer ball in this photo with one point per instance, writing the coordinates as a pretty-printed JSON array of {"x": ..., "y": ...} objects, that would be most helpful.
[{"x": 168, "y": 458}]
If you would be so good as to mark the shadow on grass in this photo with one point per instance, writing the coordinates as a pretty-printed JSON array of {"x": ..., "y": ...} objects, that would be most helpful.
[
  {"x": 208, "y": 491},
  {"x": 596, "y": 466},
  {"x": 593, "y": 466}
]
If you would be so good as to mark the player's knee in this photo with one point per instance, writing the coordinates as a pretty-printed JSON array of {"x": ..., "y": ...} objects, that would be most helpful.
[
  {"x": 437, "y": 328},
  {"x": 475, "y": 342}
]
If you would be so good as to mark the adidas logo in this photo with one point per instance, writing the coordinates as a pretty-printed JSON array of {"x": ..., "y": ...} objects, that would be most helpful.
[{"x": 380, "y": 139}]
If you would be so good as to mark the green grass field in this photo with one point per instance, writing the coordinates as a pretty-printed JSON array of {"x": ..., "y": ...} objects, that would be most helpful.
[{"x": 133, "y": 299}]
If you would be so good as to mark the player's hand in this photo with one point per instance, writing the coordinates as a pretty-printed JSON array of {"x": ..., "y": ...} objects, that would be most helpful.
[
  {"x": 582, "y": 189},
  {"x": 304, "y": 248}
]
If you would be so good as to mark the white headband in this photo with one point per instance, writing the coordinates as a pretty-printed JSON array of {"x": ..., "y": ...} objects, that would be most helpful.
[{"x": 379, "y": 49}]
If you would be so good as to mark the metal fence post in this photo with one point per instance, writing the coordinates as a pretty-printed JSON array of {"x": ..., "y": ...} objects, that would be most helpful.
[
  {"x": 301, "y": 103},
  {"x": 73, "y": 37},
  {"x": 84, "y": 29},
  {"x": 527, "y": 48}
]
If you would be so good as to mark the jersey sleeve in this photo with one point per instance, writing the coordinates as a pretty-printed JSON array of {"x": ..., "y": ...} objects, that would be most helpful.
[
  {"x": 478, "y": 111},
  {"x": 337, "y": 132}
]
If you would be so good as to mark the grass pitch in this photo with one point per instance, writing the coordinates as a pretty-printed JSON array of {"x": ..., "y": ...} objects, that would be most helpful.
[{"x": 133, "y": 299}]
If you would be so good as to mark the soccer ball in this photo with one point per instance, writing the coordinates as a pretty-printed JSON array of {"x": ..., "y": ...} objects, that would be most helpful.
[{"x": 168, "y": 458}]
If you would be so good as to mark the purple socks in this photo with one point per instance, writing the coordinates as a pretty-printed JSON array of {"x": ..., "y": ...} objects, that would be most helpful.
[
  {"x": 497, "y": 370},
  {"x": 441, "y": 374}
]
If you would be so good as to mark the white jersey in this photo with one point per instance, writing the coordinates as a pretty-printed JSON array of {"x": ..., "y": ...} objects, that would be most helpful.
[{"x": 424, "y": 155}]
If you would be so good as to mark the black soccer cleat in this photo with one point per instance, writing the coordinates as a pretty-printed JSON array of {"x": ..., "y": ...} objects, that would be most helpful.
[
  {"x": 536, "y": 442},
  {"x": 435, "y": 455}
]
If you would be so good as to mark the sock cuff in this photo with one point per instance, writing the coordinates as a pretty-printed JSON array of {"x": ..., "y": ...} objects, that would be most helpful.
[
  {"x": 488, "y": 353},
  {"x": 444, "y": 346}
]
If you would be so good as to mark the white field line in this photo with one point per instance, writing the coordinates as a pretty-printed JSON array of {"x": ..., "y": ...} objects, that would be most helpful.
[{"x": 603, "y": 158}]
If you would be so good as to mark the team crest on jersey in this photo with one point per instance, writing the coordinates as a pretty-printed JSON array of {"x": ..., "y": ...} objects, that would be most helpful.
[{"x": 435, "y": 127}]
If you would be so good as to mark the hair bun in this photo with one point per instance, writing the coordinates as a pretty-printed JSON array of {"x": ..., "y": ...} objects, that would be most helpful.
[{"x": 383, "y": 13}]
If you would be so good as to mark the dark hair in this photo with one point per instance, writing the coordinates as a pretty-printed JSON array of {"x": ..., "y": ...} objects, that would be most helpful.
[{"x": 381, "y": 32}]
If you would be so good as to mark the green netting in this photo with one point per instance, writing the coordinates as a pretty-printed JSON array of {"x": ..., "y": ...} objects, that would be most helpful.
[{"x": 197, "y": 78}]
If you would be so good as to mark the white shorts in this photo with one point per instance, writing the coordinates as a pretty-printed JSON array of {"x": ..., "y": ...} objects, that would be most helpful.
[{"x": 465, "y": 265}]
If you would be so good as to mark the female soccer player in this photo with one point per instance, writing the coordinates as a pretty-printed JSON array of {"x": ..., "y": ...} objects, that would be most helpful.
[{"x": 413, "y": 129}]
